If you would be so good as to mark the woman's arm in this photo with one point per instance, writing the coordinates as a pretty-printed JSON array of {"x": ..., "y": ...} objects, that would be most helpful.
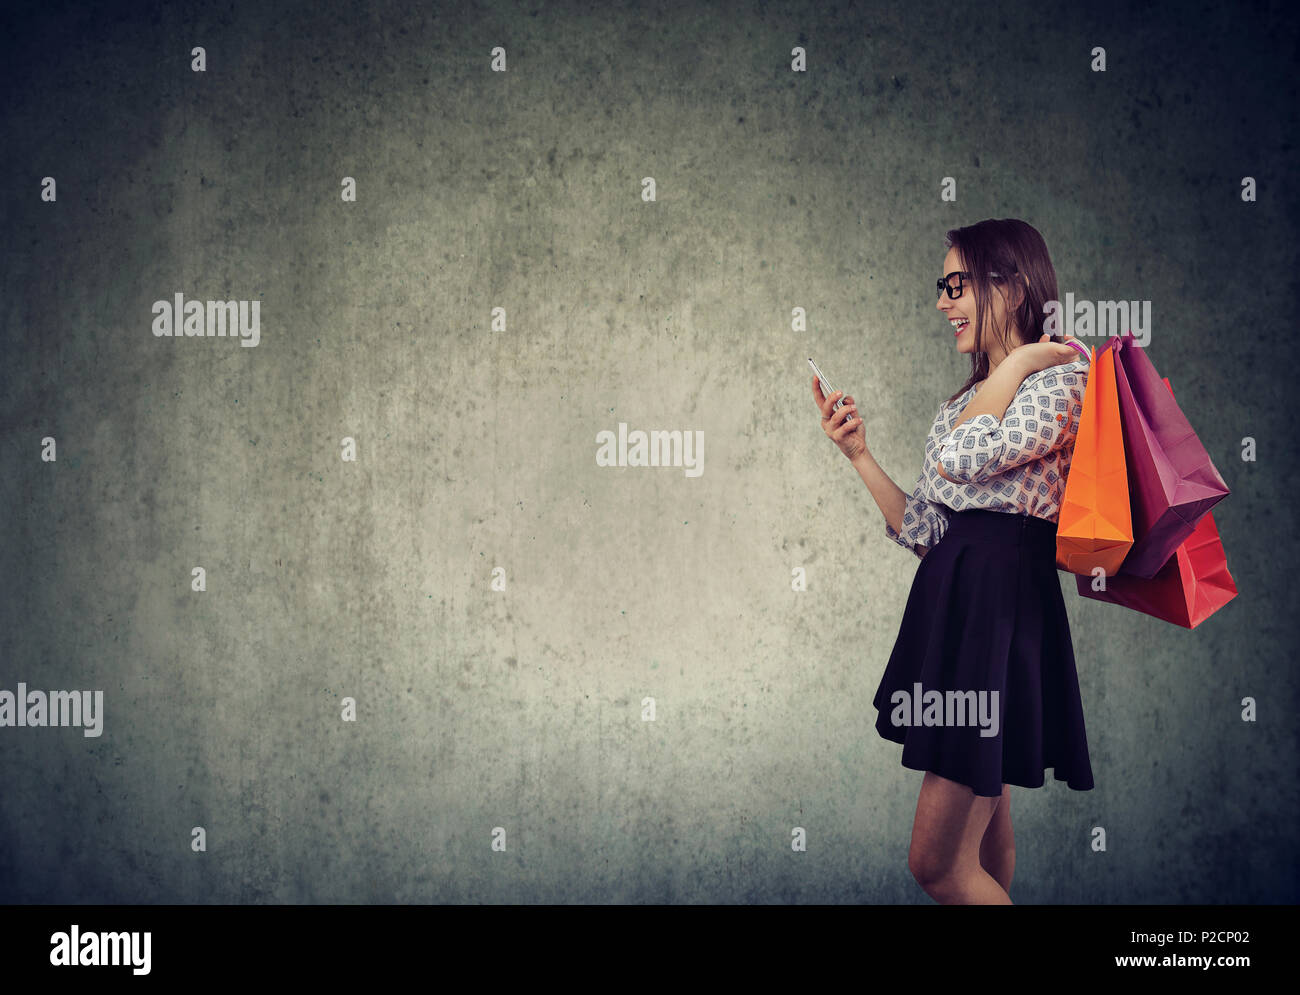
[
  {"x": 895, "y": 504},
  {"x": 998, "y": 390},
  {"x": 1043, "y": 418},
  {"x": 994, "y": 395},
  {"x": 890, "y": 498}
]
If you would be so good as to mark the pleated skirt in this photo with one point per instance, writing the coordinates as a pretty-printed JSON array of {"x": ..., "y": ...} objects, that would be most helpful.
[{"x": 985, "y": 614}]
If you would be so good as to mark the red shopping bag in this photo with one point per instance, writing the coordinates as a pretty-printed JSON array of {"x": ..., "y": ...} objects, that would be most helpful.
[{"x": 1192, "y": 585}]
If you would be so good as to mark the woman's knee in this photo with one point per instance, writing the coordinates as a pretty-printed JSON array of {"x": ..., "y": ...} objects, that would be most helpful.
[{"x": 928, "y": 865}]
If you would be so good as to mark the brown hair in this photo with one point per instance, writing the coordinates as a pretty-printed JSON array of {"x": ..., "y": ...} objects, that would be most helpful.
[{"x": 997, "y": 252}]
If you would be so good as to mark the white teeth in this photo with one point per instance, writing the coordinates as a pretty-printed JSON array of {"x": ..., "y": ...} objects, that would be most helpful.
[{"x": 957, "y": 322}]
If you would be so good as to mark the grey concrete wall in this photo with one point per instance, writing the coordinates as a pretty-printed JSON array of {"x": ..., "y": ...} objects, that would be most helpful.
[{"x": 522, "y": 708}]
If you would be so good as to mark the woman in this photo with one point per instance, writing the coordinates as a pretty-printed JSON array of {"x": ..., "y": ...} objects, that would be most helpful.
[{"x": 981, "y": 688}]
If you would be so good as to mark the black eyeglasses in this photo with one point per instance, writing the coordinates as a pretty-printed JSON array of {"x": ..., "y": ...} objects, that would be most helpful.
[
  {"x": 955, "y": 292},
  {"x": 945, "y": 284}
]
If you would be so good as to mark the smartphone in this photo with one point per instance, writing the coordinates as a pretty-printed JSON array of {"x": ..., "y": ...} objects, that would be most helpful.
[{"x": 827, "y": 389}]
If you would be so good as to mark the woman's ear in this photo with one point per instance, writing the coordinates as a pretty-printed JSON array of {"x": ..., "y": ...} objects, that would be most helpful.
[
  {"x": 1013, "y": 293},
  {"x": 1021, "y": 290}
]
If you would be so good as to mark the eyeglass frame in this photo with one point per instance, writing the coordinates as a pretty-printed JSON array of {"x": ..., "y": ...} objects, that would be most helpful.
[{"x": 942, "y": 283}]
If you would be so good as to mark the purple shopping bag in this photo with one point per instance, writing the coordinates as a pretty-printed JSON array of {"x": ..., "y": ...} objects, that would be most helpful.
[
  {"x": 1187, "y": 590},
  {"x": 1172, "y": 483}
]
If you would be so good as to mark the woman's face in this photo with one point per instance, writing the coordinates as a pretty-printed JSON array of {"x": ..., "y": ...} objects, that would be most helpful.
[{"x": 964, "y": 309}]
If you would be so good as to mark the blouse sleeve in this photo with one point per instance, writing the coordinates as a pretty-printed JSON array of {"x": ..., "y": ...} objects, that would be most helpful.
[
  {"x": 1043, "y": 416},
  {"x": 924, "y": 522}
]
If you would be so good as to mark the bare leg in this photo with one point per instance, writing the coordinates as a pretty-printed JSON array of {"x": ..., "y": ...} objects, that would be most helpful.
[
  {"x": 998, "y": 848},
  {"x": 944, "y": 855}
]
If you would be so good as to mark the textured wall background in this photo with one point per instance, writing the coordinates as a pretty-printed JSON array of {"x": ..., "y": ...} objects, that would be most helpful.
[{"x": 521, "y": 190}]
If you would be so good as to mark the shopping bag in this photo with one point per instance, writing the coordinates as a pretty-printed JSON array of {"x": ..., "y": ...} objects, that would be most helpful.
[
  {"x": 1094, "y": 527},
  {"x": 1171, "y": 482},
  {"x": 1192, "y": 585}
]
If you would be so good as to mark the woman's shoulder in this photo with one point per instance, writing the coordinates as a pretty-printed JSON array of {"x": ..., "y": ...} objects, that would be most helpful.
[{"x": 1067, "y": 375}]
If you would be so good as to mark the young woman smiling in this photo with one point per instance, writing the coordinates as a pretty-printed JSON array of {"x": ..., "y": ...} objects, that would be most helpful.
[{"x": 985, "y": 613}]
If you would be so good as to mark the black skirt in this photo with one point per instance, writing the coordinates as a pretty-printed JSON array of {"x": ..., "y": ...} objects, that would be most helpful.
[{"x": 986, "y": 615}]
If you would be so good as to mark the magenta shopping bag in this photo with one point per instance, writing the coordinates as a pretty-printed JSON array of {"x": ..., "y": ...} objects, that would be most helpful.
[
  {"x": 1187, "y": 590},
  {"x": 1172, "y": 483}
]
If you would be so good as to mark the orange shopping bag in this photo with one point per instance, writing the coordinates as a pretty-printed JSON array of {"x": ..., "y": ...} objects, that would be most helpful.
[{"x": 1095, "y": 527}]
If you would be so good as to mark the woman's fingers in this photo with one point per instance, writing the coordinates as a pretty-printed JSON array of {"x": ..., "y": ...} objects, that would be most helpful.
[
  {"x": 838, "y": 423},
  {"x": 827, "y": 405},
  {"x": 850, "y": 409},
  {"x": 832, "y": 425},
  {"x": 821, "y": 399},
  {"x": 845, "y": 427}
]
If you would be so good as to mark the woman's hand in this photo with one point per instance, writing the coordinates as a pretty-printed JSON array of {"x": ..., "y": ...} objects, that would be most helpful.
[
  {"x": 843, "y": 427},
  {"x": 1035, "y": 356}
]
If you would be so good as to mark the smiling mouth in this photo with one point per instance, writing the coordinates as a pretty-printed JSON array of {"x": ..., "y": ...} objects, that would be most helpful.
[{"x": 959, "y": 325}]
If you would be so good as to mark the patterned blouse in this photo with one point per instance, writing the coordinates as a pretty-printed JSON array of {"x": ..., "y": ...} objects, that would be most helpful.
[{"x": 1014, "y": 465}]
